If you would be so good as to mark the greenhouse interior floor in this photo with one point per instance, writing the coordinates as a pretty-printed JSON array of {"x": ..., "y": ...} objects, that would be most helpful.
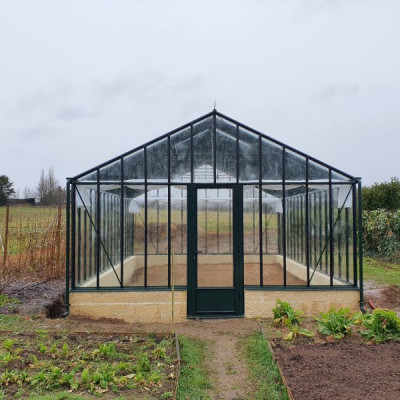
[{"x": 215, "y": 275}]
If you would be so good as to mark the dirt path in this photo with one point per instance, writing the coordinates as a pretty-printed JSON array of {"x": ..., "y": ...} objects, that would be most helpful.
[{"x": 225, "y": 360}]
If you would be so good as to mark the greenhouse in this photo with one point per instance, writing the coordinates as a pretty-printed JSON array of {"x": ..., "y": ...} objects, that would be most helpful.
[{"x": 212, "y": 219}]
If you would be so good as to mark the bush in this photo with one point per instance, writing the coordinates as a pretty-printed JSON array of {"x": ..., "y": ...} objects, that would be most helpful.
[
  {"x": 384, "y": 195},
  {"x": 336, "y": 323}
]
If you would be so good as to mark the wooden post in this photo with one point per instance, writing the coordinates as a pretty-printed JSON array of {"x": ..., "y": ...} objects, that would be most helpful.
[
  {"x": 173, "y": 292},
  {"x": 58, "y": 238},
  {"x": 6, "y": 236}
]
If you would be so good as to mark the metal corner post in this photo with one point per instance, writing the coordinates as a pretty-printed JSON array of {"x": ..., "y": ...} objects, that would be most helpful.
[
  {"x": 67, "y": 248},
  {"x": 360, "y": 244}
]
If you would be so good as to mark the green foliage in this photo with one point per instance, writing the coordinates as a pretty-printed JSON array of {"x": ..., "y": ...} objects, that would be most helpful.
[
  {"x": 381, "y": 233},
  {"x": 264, "y": 372},
  {"x": 381, "y": 325},
  {"x": 6, "y": 189},
  {"x": 297, "y": 331},
  {"x": 285, "y": 314},
  {"x": 335, "y": 323},
  {"x": 194, "y": 380},
  {"x": 385, "y": 195}
]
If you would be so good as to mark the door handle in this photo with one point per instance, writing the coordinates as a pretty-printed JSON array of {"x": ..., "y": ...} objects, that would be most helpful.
[{"x": 198, "y": 252}]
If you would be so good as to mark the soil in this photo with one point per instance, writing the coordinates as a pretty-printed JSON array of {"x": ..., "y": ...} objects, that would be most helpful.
[
  {"x": 342, "y": 370},
  {"x": 384, "y": 297},
  {"x": 36, "y": 298},
  {"x": 214, "y": 275}
]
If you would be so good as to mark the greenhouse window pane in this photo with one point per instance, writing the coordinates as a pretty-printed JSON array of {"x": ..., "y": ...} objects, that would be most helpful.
[
  {"x": 180, "y": 156},
  {"x": 134, "y": 166},
  {"x": 226, "y": 151},
  {"x": 271, "y": 161},
  {"x": 90, "y": 177},
  {"x": 295, "y": 166},
  {"x": 248, "y": 156},
  {"x": 336, "y": 176},
  {"x": 111, "y": 172},
  {"x": 317, "y": 171},
  {"x": 157, "y": 161},
  {"x": 203, "y": 159}
]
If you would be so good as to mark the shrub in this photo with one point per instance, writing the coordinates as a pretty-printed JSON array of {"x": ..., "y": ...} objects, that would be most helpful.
[{"x": 335, "y": 323}]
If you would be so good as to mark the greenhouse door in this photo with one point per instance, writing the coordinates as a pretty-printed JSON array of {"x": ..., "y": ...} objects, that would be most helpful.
[{"x": 215, "y": 256}]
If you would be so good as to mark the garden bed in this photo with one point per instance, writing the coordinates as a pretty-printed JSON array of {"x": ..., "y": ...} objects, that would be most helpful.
[
  {"x": 345, "y": 369},
  {"x": 89, "y": 364}
]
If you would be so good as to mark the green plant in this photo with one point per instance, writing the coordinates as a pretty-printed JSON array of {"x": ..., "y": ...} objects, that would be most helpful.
[
  {"x": 285, "y": 314},
  {"x": 381, "y": 325},
  {"x": 297, "y": 331},
  {"x": 8, "y": 344},
  {"x": 335, "y": 323},
  {"x": 108, "y": 350}
]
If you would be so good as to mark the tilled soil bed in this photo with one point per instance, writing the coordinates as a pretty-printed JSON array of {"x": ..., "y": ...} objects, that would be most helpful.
[{"x": 345, "y": 370}]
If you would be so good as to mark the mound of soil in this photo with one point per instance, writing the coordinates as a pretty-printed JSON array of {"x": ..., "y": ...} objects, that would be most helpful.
[
  {"x": 342, "y": 370},
  {"x": 385, "y": 297},
  {"x": 37, "y": 298}
]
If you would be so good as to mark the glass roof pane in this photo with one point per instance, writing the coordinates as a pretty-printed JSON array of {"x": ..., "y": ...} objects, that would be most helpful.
[
  {"x": 111, "y": 172},
  {"x": 248, "y": 156},
  {"x": 134, "y": 166},
  {"x": 180, "y": 156},
  {"x": 157, "y": 161},
  {"x": 295, "y": 166},
  {"x": 336, "y": 176},
  {"x": 203, "y": 159},
  {"x": 272, "y": 161},
  {"x": 90, "y": 177},
  {"x": 226, "y": 151},
  {"x": 317, "y": 171}
]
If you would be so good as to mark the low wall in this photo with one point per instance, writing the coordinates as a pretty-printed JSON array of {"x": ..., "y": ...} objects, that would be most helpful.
[
  {"x": 140, "y": 306},
  {"x": 155, "y": 306}
]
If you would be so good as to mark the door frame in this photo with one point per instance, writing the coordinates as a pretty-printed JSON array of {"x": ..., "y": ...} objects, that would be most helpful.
[{"x": 237, "y": 246}]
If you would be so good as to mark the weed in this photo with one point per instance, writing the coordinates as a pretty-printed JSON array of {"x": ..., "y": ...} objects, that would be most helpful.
[
  {"x": 335, "y": 323},
  {"x": 8, "y": 344}
]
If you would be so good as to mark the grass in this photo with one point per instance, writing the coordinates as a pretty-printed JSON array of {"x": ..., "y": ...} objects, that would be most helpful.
[
  {"x": 194, "y": 381},
  {"x": 263, "y": 370},
  {"x": 381, "y": 272}
]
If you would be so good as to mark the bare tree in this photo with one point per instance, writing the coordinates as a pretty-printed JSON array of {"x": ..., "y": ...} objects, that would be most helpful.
[{"x": 49, "y": 190}]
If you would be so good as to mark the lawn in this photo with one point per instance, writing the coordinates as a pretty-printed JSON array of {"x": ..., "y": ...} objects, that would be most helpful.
[{"x": 381, "y": 272}]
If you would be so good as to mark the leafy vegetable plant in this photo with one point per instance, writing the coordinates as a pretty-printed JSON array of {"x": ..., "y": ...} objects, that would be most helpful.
[{"x": 336, "y": 322}]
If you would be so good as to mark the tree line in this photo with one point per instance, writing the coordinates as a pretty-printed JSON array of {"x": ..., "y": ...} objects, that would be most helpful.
[{"x": 48, "y": 191}]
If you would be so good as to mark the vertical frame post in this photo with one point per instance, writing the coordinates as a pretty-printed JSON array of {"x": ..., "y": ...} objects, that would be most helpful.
[
  {"x": 67, "y": 247},
  {"x": 355, "y": 237},
  {"x": 98, "y": 227},
  {"x": 73, "y": 235},
  {"x": 122, "y": 223},
  {"x": 284, "y": 215},
  {"x": 331, "y": 243},
  {"x": 360, "y": 250},
  {"x": 307, "y": 227}
]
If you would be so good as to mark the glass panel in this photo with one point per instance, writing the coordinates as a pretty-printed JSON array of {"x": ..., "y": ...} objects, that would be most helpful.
[
  {"x": 317, "y": 171},
  {"x": 90, "y": 177},
  {"x": 134, "y": 166},
  {"x": 319, "y": 235},
  {"x": 214, "y": 238},
  {"x": 248, "y": 156},
  {"x": 85, "y": 238},
  {"x": 134, "y": 235},
  {"x": 111, "y": 172},
  {"x": 296, "y": 270},
  {"x": 272, "y": 238},
  {"x": 272, "y": 160},
  {"x": 157, "y": 161},
  {"x": 180, "y": 156},
  {"x": 179, "y": 232},
  {"x": 336, "y": 176},
  {"x": 251, "y": 236},
  {"x": 203, "y": 151},
  {"x": 343, "y": 265},
  {"x": 295, "y": 166},
  {"x": 157, "y": 236},
  {"x": 226, "y": 151},
  {"x": 110, "y": 265}
]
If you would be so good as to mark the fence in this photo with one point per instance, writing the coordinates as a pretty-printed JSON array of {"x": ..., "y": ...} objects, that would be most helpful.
[{"x": 32, "y": 243}]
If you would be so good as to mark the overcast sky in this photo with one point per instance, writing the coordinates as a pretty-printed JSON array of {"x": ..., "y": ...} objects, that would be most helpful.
[{"x": 83, "y": 81}]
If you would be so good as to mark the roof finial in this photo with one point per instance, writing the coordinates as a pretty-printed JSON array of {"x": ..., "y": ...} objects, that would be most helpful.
[{"x": 215, "y": 105}]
